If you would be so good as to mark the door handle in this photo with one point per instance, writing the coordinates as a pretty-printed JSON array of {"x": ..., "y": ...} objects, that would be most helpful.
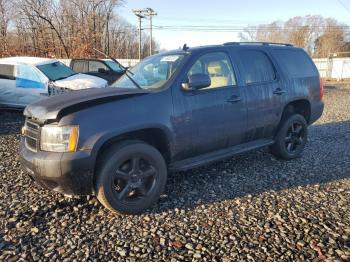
[
  {"x": 278, "y": 91},
  {"x": 234, "y": 99}
]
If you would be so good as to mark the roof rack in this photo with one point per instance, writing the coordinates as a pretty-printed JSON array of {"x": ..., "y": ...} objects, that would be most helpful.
[{"x": 256, "y": 43}]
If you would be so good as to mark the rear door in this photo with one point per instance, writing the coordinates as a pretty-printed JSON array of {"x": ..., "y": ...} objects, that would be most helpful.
[{"x": 263, "y": 92}]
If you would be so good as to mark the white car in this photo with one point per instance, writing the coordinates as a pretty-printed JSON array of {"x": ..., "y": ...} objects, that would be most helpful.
[{"x": 24, "y": 80}]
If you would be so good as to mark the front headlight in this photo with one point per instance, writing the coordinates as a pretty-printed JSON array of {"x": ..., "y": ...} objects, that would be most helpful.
[{"x": 59, "y": 139}]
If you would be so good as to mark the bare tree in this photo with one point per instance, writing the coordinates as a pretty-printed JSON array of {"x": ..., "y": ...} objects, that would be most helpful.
[
  {"x": 317, "y": 35},
  {"x": 5, "y": 7},
  {"x": 67, "y": 28}
]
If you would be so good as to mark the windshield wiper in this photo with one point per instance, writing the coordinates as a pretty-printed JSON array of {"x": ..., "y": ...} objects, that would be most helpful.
[
  {"x": 126, "y": 70},
  {"x": 132, "y": 80},
  {"x": 114, "y": 60}
]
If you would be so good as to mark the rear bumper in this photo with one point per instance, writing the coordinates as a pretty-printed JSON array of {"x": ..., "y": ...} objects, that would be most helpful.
[
  {"x": 316, "y": 111},
  {"x": 67, "y": 173}
]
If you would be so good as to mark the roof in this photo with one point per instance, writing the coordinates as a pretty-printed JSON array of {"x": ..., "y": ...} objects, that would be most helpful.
[
  {"x": 35, "y": 61},
  {"x": 190, "y": 49}
]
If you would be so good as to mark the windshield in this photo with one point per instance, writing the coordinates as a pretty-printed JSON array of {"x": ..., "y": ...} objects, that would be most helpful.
[
  {"x": 56, "y": 71},
  {"x": 152, "y": 72},
  {"x": 114, "y": 66}
]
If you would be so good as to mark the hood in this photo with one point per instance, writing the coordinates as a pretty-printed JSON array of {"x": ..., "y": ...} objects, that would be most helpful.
[
  {"x": 55, "y": 107},
  {"x": 81, "y": 81}
]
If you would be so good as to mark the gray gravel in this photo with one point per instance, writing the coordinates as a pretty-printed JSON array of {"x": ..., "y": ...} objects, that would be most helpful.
[{"x": 249, "y": 208}]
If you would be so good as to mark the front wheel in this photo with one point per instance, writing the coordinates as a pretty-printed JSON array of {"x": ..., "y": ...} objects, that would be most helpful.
[
  {"x": 130, "y": 177},
  {"x": 291, "y": 138}
]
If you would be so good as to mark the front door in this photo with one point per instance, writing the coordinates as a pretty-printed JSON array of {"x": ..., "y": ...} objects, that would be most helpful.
[{"x": 214, "y": 117}]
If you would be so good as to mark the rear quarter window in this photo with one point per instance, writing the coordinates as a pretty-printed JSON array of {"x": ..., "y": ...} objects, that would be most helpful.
[
  {"x": 80, "y": 66},
  {"x": 295, "y": 63}
]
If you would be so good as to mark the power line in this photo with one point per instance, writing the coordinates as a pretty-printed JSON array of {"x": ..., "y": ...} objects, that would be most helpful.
[
  {"x": 259, "y": 26},
  {"x": 345, "y": 7},
  {"x": 210, "y": 20},
  {"x": 211, "y": 28}
]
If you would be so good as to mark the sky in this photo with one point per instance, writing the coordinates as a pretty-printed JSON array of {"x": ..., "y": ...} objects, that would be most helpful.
[{"x": 224, "y": 13}]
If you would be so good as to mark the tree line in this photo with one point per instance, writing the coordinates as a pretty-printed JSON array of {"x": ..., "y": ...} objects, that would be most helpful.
[
  {"x": 67, "y": 29},
  {"x": 319, "y": 36},
  {"x": 73, "y": 28}
]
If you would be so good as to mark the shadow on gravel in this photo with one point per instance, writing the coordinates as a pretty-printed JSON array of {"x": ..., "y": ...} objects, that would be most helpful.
[{"x": 325, "y": 159}]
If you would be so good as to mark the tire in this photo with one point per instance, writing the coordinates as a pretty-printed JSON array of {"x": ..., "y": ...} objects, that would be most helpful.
[
  {"x": 130, "y": 177},
  {"x": 291, "y": 138}
]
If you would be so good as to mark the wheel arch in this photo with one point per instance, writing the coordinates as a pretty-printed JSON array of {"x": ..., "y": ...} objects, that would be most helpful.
[
  {"x": 157, "y": 137},
  {"x": 300, "y": 106}
]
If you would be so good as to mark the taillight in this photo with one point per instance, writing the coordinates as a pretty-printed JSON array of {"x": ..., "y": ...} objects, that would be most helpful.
[{"x": 321, "y": 89}]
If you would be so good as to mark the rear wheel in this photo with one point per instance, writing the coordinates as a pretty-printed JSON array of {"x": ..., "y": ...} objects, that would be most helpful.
[
  {"x": 291, "y": 138},
  {"x": 130, "y": 177}
]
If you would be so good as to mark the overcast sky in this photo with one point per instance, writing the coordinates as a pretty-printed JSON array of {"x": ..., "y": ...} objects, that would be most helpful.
[{"x": 226, "y": 13}]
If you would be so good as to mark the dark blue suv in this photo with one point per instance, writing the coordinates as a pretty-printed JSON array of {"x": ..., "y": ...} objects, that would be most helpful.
[{"x": 173, "y": 111}]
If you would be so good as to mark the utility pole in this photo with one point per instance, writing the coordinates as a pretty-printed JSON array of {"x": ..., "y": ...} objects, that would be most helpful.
[
  {"x": 151, "y": 13},
  {"x": 140, "y": 15},
  {"x": 143, "y": 13}
]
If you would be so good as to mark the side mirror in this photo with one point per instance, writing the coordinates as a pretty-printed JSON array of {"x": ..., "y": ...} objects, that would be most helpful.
[{"x": 197, "y": 81}]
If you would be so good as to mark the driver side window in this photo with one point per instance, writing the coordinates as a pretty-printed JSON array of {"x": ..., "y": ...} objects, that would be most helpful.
[
  {"x": 95, "y": 66},
  {"x": 218, "y": 66}
]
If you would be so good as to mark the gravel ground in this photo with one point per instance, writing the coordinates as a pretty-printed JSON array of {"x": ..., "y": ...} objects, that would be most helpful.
[{"x": 249, "y": 208}]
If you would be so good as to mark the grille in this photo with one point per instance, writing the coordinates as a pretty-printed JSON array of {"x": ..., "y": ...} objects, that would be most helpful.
[
  {"x": 56, "y": 90},
  {"x": 32, "y": 135}
]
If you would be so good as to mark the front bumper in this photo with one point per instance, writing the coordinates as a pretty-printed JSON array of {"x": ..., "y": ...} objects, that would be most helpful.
[{"x": 67, "y": 173}]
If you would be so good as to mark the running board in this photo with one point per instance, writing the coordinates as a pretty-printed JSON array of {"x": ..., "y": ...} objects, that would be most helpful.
[{"x": 207, "y": 158}]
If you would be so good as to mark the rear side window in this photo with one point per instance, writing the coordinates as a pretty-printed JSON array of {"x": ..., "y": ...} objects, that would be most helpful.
[
  {"x": 7, "y": 72},
  {"x": 295, "y": 63},
  {"x": 257, "y": 66}
]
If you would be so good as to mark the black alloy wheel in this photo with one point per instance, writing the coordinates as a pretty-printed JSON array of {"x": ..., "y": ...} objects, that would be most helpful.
[
  {"x": 131, "y": 175},
  {"x": 134, "y": 179},
  {"x": 295, "y": 137},
  {"x": 291, "y": 138}
]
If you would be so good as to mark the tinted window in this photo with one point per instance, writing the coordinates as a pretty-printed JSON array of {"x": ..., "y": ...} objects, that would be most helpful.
[
  {"x": 80, "y": 66},
  {"x": 217, "y": 66},
  {"x": 94, "y": 66},
  {"x": 257, "y": 66},
  {"x": 295, "y": 63}
]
